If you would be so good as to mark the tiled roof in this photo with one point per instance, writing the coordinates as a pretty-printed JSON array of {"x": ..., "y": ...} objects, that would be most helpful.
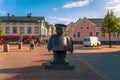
[
  {"x": 96, "y": 21},
  {"x": 20, "y": 19}
]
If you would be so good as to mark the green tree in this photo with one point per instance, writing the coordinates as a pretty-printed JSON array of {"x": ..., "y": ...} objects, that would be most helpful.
[
  {"x": 110, "y": 25},
  {"x": 119, "y": 25}
]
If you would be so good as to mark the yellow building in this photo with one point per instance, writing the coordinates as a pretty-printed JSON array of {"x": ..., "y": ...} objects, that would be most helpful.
[
  {"x": 1, "y": 29},
  {"x": 26, "y": 26}
]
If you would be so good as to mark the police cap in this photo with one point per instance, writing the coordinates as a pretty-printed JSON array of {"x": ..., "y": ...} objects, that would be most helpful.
[{"x": 60, "y": 26}]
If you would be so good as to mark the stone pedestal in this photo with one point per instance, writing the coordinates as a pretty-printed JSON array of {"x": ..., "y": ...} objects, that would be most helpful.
[
  {"x": 67, "y": 65},
  {"x": 20, "y": 45},
  {"x": 6, "y": 47}
]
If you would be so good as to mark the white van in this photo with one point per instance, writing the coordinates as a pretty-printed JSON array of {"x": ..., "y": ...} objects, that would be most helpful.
[{"x": 91, "y": 41}]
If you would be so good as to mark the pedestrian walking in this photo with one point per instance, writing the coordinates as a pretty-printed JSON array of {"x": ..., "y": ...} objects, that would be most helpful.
[
  {"x": 31, "y": 44},
  {"x": 38, "y": 41}
]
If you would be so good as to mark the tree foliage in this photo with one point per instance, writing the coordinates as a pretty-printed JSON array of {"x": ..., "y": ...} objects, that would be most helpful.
[
  {"x": 119, "y": 25},
  {"x": 110, "y": 24}
]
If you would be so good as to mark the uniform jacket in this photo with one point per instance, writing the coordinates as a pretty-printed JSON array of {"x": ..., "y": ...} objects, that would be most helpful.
[{"x": 59, "y": 43}]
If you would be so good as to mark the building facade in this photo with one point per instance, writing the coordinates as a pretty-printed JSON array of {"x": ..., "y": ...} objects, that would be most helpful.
[
  {"x": 51, "y": 30},
  {"x": 25, "y": 26},
  {"x": 69, "y": 30},
  {"x": 92, "y": 27}
]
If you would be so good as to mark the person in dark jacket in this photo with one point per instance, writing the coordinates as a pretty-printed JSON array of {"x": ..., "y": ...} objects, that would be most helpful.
[{"x": 31, "y": 44}]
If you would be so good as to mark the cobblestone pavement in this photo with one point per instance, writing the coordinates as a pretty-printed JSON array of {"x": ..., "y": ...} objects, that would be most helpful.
[{"x": 25, "y": 64}]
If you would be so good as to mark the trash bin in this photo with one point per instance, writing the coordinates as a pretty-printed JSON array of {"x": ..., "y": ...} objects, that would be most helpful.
[{"x": 6, "y": 47}]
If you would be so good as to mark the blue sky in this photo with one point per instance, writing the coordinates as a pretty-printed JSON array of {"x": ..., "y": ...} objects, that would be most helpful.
[{"x": 60, "y": 11}]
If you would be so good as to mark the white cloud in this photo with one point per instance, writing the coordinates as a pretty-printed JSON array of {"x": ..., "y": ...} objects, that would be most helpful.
[
  {"x": 55, "y": 9},
  {"x": 54, "y": 20},
  {"x": 113, "y": 5},
  {"x": 79, "y": 3}
]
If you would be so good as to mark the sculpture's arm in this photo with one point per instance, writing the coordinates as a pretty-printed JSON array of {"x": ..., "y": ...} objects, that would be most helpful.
[{"x": 69, "y": 44}]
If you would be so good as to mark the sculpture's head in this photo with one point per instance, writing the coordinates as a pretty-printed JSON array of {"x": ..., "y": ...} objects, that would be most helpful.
[{"x": 60, "y": 29}]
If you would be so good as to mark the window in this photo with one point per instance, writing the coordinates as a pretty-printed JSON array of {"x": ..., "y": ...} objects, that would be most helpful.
[
  {"x": 7, "y": 23},
  {"x": 97, "y": 34},
  {"x": 86, "y": 39},
  {"x": 21, "y": 30},
  {"x": 103, "y": 34},
  {"x": 115, "y": 35},
  {"x": 87, "y": 25},
  {"x": 14, "y": 23},
  {"x": 21, "y": 23},
  {"x": 78, "y": 34},
  {"x": 29, "y": 30},
  {"x": 29, "y": 23},
  {"x": 91, "y": 34},
  {"x": 7, "y": 30},
  {"x": 81, "y": 26},
  {"x": 36, "y": 30},
  {"x": 36, "y": 23},
  {"x": 14, "y": 29}
]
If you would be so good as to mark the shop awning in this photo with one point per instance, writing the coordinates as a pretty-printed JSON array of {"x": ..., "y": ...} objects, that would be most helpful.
[
  {"x": 28, "y": 37},
  {"x": 7, "y": 37},
  {"x": 17, "y": 37}
]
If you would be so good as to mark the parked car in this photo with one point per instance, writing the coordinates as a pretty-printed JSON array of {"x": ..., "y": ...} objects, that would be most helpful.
[{"x": 91, "y": 41}]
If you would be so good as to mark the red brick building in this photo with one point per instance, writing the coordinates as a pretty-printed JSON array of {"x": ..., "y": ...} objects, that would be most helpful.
[{"x": 92, "y": 27}]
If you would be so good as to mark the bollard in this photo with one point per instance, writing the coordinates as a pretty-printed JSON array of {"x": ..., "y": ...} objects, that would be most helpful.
[
  {"x": 20, "y": 45},
  {"x": 6, "y": 47}
]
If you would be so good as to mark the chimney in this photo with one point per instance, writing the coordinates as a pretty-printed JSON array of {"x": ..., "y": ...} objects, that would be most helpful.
[
  {"x": 8, "y": 15},
  {"x": 13, "y": 15},
  {"x": 29, "y": 15}
]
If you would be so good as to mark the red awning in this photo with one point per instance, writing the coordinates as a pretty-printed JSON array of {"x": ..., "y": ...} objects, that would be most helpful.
[
  {"x": 28, "y": 37},
  {"x": 17, "y": 37},
  {"x": 9, "y": 37}
]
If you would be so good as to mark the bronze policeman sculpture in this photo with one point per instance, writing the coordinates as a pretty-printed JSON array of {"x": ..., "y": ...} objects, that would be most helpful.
[{"x": 59, "y": 44}]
